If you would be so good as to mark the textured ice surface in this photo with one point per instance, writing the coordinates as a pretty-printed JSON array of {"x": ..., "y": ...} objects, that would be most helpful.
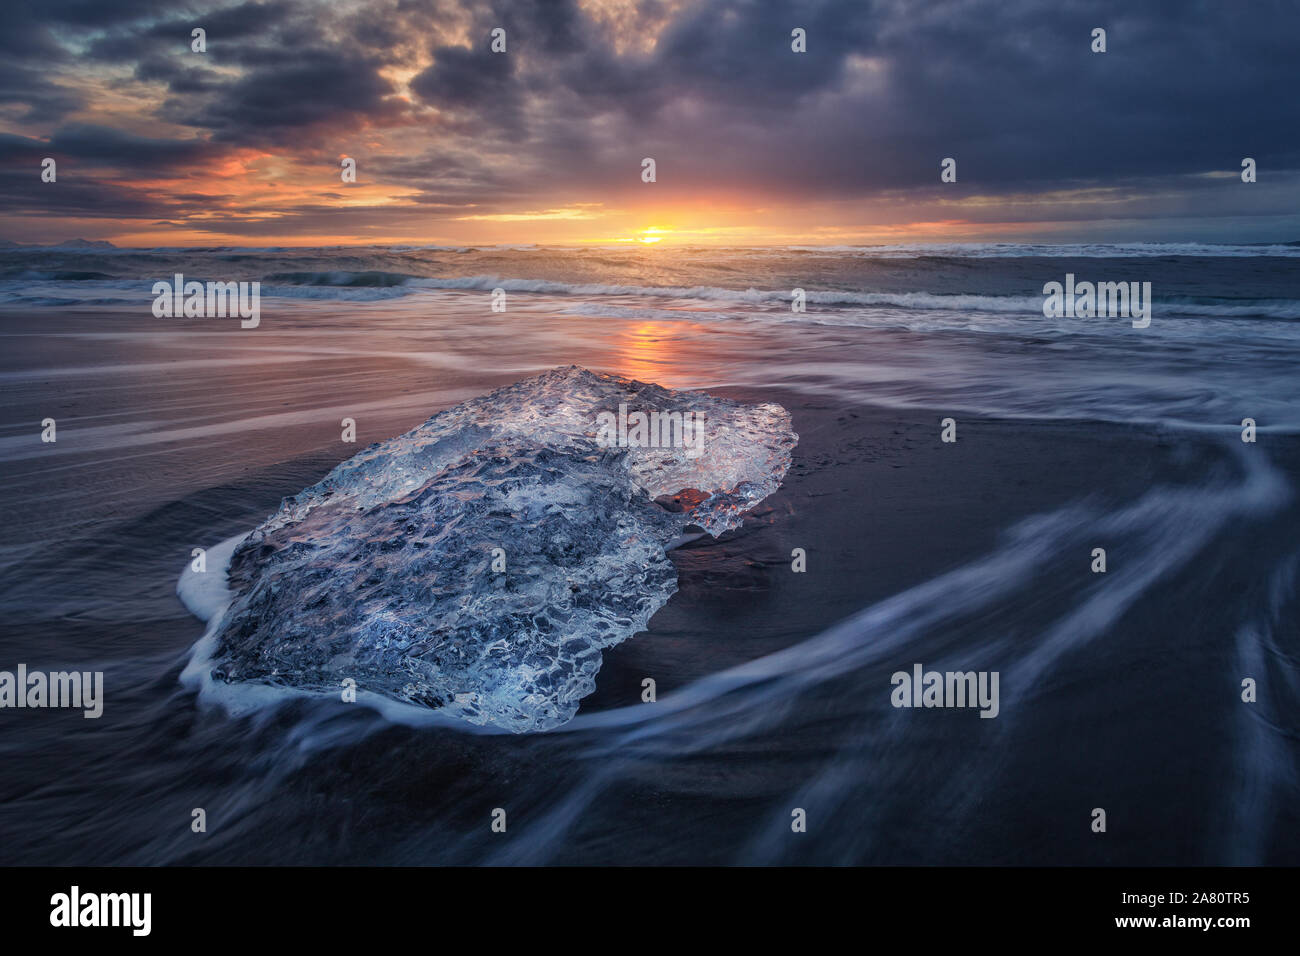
[{"x": 382, "y": 572}]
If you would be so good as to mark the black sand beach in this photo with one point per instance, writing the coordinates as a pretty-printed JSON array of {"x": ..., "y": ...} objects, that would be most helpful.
[{"x": 1119, "y": 690}]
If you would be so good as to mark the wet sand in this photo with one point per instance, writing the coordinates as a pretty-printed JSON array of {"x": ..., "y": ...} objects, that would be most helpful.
[{"x": 1131, "y": 704}]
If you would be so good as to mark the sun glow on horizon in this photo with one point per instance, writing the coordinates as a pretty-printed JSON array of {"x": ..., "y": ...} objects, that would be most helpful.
[{"x": 648, "y": 236}]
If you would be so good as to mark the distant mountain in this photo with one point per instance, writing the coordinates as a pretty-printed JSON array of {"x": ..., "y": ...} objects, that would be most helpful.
[{"x": 65, "y": 244}]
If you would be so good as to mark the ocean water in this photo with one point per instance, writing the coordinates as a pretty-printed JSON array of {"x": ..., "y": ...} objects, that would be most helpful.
[
  {"x": 1225, "y": 317},
  {"x": 1119, "y": 691}
]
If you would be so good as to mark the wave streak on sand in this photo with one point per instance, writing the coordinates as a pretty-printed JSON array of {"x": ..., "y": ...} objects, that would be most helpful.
[{"x": 1166, "y": 528}]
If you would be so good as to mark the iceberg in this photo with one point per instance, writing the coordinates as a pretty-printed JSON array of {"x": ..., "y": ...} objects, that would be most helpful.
[{"x": 478, "y": 564}]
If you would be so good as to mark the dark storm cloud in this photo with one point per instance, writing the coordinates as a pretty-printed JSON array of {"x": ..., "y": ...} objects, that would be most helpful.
[
  {"x": 461, "y": 78},
  {"x": 115, "y": 147},
  {"x": 180, "y": 79},
  {"x": 32, "y": 94},
  {"x": 151, "y": 33},
  {"x": 886, "y": 90},
  {"x": 1010, "y": 89},
  {"x": 327, "y": 87},
  {"x": 25, "y": 194},
  {"x": 40, "y": 39},
  {"x": 269, "y": 69}
]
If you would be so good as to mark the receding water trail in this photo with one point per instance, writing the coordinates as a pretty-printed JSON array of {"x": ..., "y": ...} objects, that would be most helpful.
[
  {"x": 1266, "y": 769},
  {"x": 1163, "y": 530}
]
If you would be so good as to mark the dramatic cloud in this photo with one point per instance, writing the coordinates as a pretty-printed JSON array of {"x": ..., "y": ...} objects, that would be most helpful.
[{"x": 751, "y": 139}]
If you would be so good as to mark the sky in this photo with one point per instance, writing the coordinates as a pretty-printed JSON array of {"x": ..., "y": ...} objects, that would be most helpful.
[{"x": 753, "y": 143}]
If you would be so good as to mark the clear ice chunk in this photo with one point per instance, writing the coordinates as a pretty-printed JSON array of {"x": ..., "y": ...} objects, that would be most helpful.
[{"x": 383, "y": 571}]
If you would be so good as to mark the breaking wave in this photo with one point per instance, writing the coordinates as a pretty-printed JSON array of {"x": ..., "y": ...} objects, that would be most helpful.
[{"x": 90, "y": 288}]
